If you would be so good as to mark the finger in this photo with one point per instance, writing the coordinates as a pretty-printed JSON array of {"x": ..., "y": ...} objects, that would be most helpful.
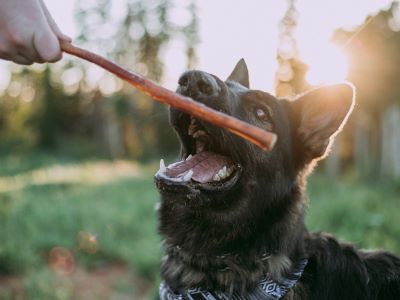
[
  {"x": 22, "y": 60},
  {"x": 7, "y": 51},
  {"x": 33, "y": 53},
  {"x": 53, "y": 24},
  {"x": 27, "y": 49},
  {"x": 47, "y": 44}
]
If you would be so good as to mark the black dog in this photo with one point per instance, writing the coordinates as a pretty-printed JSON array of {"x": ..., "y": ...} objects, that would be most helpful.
[{"x": 232, "y": 215}]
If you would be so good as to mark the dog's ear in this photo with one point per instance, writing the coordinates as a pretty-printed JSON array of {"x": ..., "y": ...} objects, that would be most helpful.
[
  {"x": 321, "y": 114},
  {"x": 240, "y": 74}
]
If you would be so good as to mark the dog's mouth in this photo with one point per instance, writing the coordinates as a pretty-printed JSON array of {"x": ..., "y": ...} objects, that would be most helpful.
[{"x": 203, "y": 165}]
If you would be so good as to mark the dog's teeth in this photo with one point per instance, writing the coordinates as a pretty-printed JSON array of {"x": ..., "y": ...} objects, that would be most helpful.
[
  {"x": 163, "y": 169},
  {"x": 222, "y": 173},
  {"x": 216, "y": 177},
  {"x": 188, "y": 176},
  {"x": 189, "y": 157}
]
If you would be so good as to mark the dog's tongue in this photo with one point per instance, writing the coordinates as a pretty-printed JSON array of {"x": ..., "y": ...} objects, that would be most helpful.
[{"x": 204, "y": 166}]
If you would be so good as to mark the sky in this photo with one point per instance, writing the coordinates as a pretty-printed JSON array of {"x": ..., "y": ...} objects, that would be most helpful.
[{"x": 230, "y": 30}]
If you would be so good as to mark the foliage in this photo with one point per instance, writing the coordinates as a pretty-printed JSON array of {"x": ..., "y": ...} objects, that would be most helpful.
[
  {"x": 37, "y": 216},
  {"x": 40, "y": 217},
  {"x": 364, "y": 214}
]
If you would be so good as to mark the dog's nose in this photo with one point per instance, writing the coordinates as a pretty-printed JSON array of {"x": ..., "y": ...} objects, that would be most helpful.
[{"x": 197, "y": 84}]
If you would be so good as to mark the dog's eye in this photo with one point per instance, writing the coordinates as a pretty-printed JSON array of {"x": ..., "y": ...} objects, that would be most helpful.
[{"x": 262, "y": 114}]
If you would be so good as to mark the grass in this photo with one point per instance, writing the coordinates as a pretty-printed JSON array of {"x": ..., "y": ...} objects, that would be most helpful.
[
  {"x": 101, "y": 213},
  {"x": 365, "y": 214},
  {"x": 99, "y": 217}
]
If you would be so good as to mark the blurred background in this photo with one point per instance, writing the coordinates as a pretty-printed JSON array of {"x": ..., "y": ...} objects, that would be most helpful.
[{"x": 78, "y": 147}]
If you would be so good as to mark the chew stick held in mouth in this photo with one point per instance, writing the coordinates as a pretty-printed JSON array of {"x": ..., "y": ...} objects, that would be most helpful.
[{"x": 258, "y": 136}]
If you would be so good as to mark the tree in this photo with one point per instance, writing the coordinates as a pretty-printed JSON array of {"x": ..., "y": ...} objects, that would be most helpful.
[
  {"x": 290, "y": 76},
  {"x": 374, "y": 57}
]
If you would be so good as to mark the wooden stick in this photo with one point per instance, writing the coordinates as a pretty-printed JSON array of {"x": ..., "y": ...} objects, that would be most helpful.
[{"x": 261, "y": 138}]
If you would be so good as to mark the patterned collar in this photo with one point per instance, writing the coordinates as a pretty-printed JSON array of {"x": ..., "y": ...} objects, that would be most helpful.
[{"x": 267, "y": 289}]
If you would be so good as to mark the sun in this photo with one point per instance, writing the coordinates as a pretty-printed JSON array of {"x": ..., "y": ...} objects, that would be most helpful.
[{"x": 327, "y": 64}]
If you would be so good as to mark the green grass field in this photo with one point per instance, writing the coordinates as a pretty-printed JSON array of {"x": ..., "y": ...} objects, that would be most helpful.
[{"x": 87, "y": 229}]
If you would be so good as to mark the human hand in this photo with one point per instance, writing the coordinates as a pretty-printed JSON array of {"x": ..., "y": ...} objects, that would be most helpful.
[{"x": 28, "y": 33}]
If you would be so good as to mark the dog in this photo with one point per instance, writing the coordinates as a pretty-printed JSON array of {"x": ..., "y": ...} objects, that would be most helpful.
[{"x": 232, "y": 215}]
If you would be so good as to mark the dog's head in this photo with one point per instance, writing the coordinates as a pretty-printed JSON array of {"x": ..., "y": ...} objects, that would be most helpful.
[{"x": 225, "y": 193}]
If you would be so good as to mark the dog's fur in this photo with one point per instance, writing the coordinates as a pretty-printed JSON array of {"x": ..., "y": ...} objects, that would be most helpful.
[{"x": 217, "y": 239}]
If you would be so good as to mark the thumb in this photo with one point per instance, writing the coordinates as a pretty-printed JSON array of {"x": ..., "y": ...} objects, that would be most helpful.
[{"x": 47, "y": 44}]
